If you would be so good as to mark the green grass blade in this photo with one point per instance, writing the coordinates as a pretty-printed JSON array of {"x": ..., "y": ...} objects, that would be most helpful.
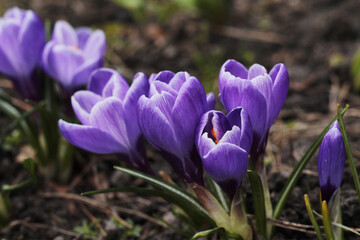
[
  {"x": 15, "y": 123},
  {"x": 312, "y": 217},
  {"x": 176, "y": 195},
  {"x": 346, "y": 228},
  {"x": 259, "y": 201},
  {"x": 207, "y": 233},
  {"x": 295, "y": 174},
  {"x": 349, "y": 155},
  {"x": 327, "y": 223},
  {"x": 25, "y": 127},
  {"x": 152, "y": 192}
]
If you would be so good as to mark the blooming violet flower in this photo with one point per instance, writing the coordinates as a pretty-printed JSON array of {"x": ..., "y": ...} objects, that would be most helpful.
[
  {"x": 169, "y": 116},
  {"x": 331, "y": 161},
  {"x": 224, "y": 143},
  {"x": 262, "y": 94},
  {"x": 22, "y": 38},
  {"x": 108, "y": 114},
  {"x": 72, "y": 55}
]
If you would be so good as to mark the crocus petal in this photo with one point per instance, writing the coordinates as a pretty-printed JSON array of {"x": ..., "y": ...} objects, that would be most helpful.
[
  {"x": 158, "y": 87},
  {"x": 178, "y": 80},
  {"x": 31, "y": 41},
  {"x": 226, "y": 162},
  {"x": 164, "y": 76},
  {"x": 9, "y": 49},
  {"x": 164, "y": 101},
  {"x": 210, "y": 99},
  {"x": 256, "y": 70},
  {"x": 6, "y": 66},
  {"x": 331, "y": 160},
  {"x": 280, "y": 78},
  {"x": 90, "y": 138},
  {"x": 99, "y": 78},
  {"x": 242, "y": 93},
  {"x": 239, "y": 117},
  {"x": 203, "y": 141},
  {"x": 83, "y": 34},
  {"x": 219, "y": 124},
  {"x": 231, "y": 68},
  {"x": 139, "y": 87},
  {"x": 189, "y": 107},
  {"x": 83, "y": 73},
  {"x": 108, "y": 116},
  {"x": 82, "y": 103},
  {"x": 64, "y": 34},
  {"x": 155, "y": 126},
  {"x": 117, "y": 86},
  {"x": 264, "y": 85},
  {"x": 95, "y": 45},
  {"x": 16, "y": 14},
  {"x": 62, "y": 63}
]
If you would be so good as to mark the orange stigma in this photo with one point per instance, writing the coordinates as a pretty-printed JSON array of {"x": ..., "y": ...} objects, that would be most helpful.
[
  {"x": 75, "y": 47},
  {"x": 214, "y": 135}
]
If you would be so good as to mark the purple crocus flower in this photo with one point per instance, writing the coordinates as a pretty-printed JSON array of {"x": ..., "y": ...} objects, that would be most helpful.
[
  {"x": 22, "y": 38},
  {"x": 331, "y": 161},
  {"x": 224, "y": 143},
  {"x": 262, "y": 94},
  {"x": 108, "y": 114},
  {"x": 169, "y": 116},
  {"x": 72, "y": 55}
]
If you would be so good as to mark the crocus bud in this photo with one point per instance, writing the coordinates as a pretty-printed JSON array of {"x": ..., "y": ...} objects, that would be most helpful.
[
  {"x": 169, "y": 116},
  {"x": 22, "y": 38},
  {"x": 108, "y": 114},
  {"x": 331, "y": 161},
  {"x": 223, "y": 143},
  {"x": 72, "y": 55},
  {"x": 262, "y": 94}
]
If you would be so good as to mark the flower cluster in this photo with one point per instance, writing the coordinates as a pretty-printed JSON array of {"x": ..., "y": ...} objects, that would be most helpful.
[
  {"x": 69, "y": 58},
  {"x": 175, "y": 115},
  {"x": 171, "y": 110}
]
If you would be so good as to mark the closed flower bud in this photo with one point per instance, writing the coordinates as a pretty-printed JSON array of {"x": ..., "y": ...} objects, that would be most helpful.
[{"x": 331, "y": 161}]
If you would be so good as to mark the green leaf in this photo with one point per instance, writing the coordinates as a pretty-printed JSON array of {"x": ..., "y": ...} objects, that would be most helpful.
[
  {"x": 146, "y": 191},
  {"x": 26, "y": 129},
  {"x": 175, "y": 195},
  {"x": 207, "y": 233},
  {"x": 50, "y": 129},
  {"x": 212, "y": 205},
  {"x": 327, "y": 223},
  {"x": 218, "y": 193},
  {"x": 295, "y": 174},
  {"x": 312, "y": 217},
  {"x": 349, "y": 154},
  {"x": 15, "y": 123},
  {"x": 238, "y": 219},
  {"x": 259, "y": 201}
]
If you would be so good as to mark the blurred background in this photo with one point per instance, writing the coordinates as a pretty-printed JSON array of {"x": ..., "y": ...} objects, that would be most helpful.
[{"x": 318, "y": 41}]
